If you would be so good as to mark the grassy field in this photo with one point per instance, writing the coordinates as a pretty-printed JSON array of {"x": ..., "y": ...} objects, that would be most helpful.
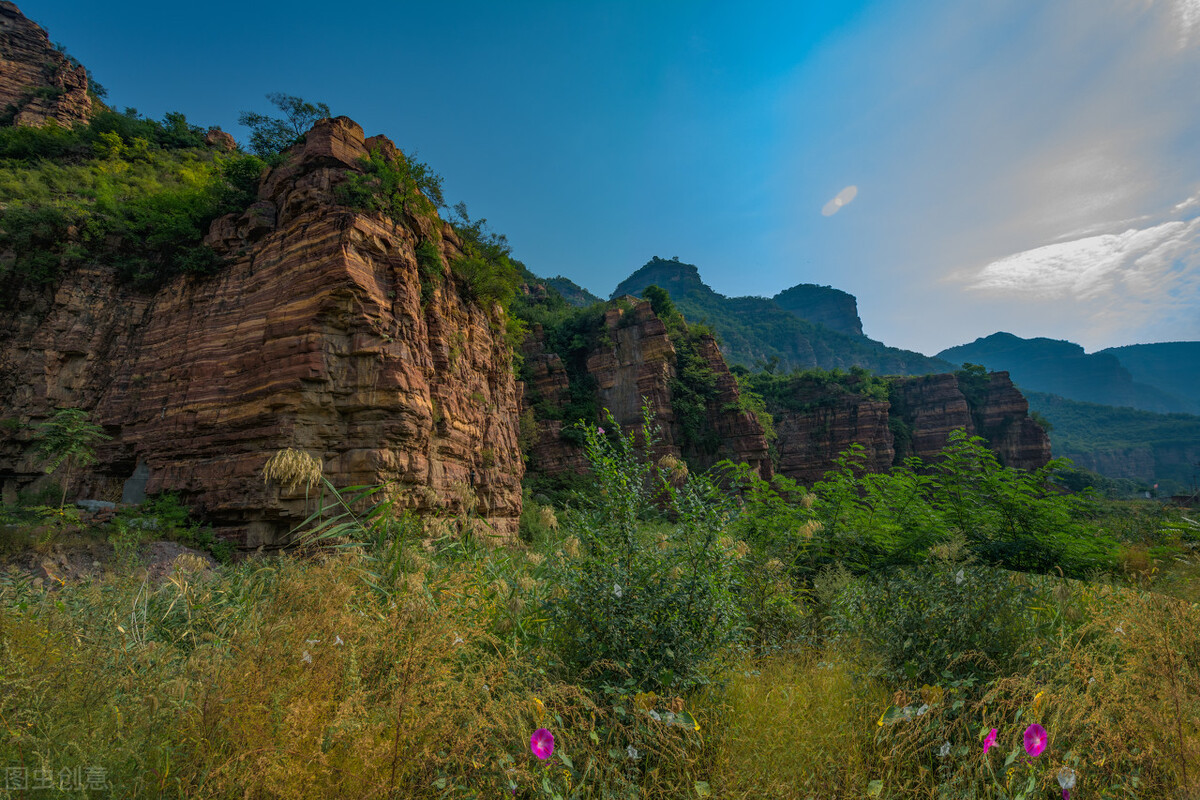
[{"x": 676, "y": 638}]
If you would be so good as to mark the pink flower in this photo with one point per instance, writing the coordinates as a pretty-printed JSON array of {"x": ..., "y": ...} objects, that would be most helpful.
[
  {"x": 989, "y": 741},
  {"x": 600, "y": 431},
  {"x": 542, "y": 743},
  {"x": 1035, "y": 740}
]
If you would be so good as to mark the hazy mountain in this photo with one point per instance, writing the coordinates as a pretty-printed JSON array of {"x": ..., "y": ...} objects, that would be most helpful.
[
  {"x": 824, "y": 305},
  {"x": 756, "y": 330},
  {"x": 1123, "y": 442},
  {"x": 1063, "y": 368},
  {"x": 1173, "y": 367}
]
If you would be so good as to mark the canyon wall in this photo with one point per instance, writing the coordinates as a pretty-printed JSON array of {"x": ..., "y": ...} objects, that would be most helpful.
[
  {"x": 37, "y": 82},
  {"x": 315, "y": 336}
]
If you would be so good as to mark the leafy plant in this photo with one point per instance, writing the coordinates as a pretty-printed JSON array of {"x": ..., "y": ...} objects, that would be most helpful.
[
  {"x": 645, "y": 596},
  {"x": 270, "y": 136},
  {"x": 68, "y": 439}
]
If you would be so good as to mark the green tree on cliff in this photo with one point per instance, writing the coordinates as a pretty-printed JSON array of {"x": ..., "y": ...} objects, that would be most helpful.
[
  {"x": 69, "y": 438},
  {"x": 270, "y": 136}
]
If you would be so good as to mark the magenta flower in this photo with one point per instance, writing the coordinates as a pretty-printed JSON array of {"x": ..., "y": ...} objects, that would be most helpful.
[
  {"x": 600, "y": 431},
  {"x": 542, "y": 743},
  {"x": 1035, "y": 740},
  {"x": 989, "y": 741}
]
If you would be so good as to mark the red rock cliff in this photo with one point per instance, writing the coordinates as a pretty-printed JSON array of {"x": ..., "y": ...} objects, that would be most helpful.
[
  {"x": 634, "y": 361},
  {"x": 37, "y": 82},
  {"x": 315, "y": 337},
  {"x": 918, "y": 421}
]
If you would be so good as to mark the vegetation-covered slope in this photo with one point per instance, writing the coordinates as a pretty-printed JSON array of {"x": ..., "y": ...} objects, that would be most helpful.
[
  {"x": 757, "y": 330},
  {"x": 1173, "y": 367},
  {"x": 1063, "y": 368},
  {"x": 1123, "y": 442}
]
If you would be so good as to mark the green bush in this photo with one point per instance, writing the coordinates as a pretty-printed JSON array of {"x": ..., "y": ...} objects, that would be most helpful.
[
  {"x": 163, "y": 516},
  {"x": 648, "y": 597},
  {"x": 938, "y": 621},
  {"x": 393, "y": 184}
]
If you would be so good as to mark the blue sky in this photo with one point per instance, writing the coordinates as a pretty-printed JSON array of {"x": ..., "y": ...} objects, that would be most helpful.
[{"x": 1022, "y": 165}]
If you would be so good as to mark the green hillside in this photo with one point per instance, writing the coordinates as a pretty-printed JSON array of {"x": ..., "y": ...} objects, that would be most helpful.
[
  {"x": 1063, "y": 368},
  {"x": 1123, "y": 442},
  {"x": 1173, "y": 367},
  {"x": 757, "y": 330}
]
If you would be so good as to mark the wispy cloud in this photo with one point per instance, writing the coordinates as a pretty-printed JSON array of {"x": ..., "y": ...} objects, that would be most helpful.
[
  {"x": 1142, "y": 283},
  {"x": 842, "y": 198}
]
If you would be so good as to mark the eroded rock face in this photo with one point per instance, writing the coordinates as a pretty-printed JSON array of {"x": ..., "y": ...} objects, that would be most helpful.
[
  {"x": 37, "y": 82},
  {"x": 315, "y": 337},
  {"x": 919, "y": 421},
  {"x": 934, "y": 405},
  {"x": 634, "y": 364},
  {"x": 809, "y": 441}
]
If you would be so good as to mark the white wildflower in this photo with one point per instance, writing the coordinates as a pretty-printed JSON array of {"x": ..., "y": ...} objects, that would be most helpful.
[
  {"x": 921, "y": 711},
  {"x": 338, "y": 640},
  {"x": 654, "y": 715},
  {"x": 306, "y": 658},
  {"x": 632, "y": 752},
  {"x": 944, "y": 750},
  {"x": 618, "y": 592}
]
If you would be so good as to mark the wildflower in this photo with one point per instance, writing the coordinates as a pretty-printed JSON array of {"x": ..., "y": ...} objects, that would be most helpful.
[
  {"x": 960, "y": 576},
  {"x": 458, "y": 639},
  {"x": 1035, "y": 740},
  {"x": 1066, "y": 779},
  {"x": 944, "y": 750},
  {"x": 990, "y": 740},
  {"x": 541, "y": 707},
  {"x": 632, "y": 752},
  {"x": 654, "y": 715},
  {"x": 1037, "y": 701},
  {"x": 306, "y": 658},
  {"x": 338, "y": 641},
  {"x": 1120, "y": 629},
  {"x": 618, "y": 592},
  {"x": 600, "y": 431},
  {"x": 542, "y": 743},
  {"x": 924, "y": 708}
]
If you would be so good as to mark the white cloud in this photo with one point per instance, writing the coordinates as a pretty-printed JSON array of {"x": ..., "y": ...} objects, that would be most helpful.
[
  {"x": 843, "y": 198},
  {"x": 1142, "y": 280},
  {"x": 1087, "y": 267}
]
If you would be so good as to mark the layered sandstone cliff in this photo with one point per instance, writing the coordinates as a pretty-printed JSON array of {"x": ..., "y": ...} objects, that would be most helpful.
[
  {"x": 634, "y": 363},
  {"x": 917, "y": 421},
  {"x": 314, "y": 337},
  {"x": 37, "y": 82}
]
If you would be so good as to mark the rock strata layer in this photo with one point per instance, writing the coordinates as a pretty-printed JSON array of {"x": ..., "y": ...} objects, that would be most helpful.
[
  {"x": 633, "y": 364},
  {"x": 37, "y": 82},
  {"x": 314, "y": 337}
]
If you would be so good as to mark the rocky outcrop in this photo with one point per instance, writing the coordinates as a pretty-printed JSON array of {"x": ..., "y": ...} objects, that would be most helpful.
[
  {"x": 633, "y": 363},
  {"x": 1003, "y": 419},
  {"x": 930, "y": 407},
  {"x": 37, "y": 82},
  {"x": 820, "y": 422},
  {"x": 824, "y": 305},
  {"x": 314, "y": 337},
  {"x": 811, "y": 439}
]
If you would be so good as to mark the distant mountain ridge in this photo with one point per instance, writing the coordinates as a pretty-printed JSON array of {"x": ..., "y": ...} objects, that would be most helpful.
[
  {"x": 1062, "y": 368},
  {"x": 1123, "y": 442},
  {"x": 758, "y": 330},
  {"x": 1173, "y": 367}
]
